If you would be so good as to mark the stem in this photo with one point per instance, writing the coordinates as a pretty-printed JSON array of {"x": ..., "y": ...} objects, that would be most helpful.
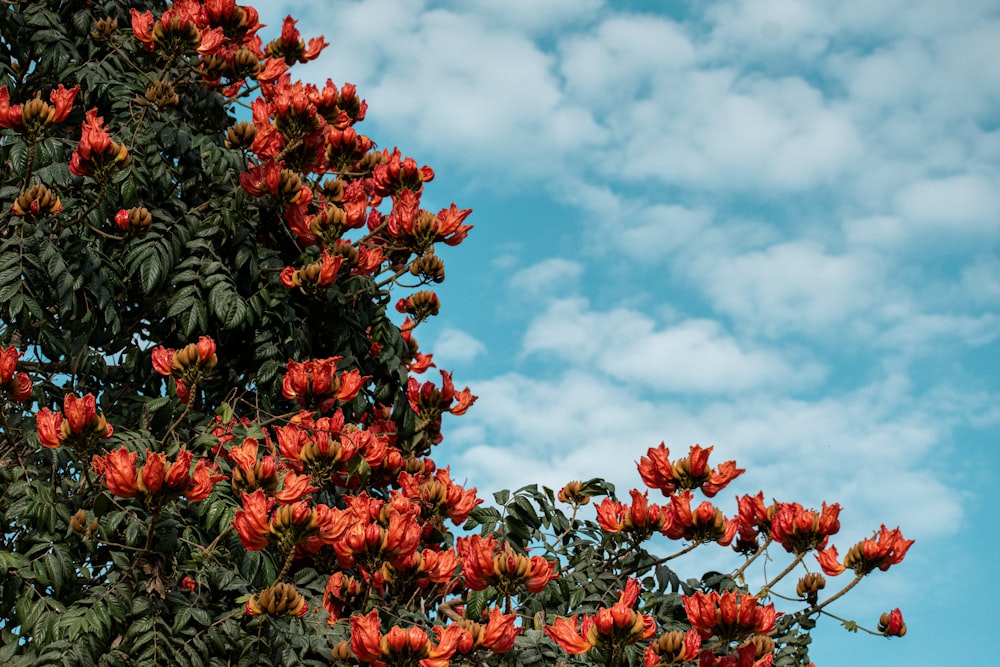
[
  {"x": 90, "y": 209},
  {"x": 289, "y": 559},
  {"x": 30, "y": 166},
  {"x": 819, "y": 607},
  {"x": 784, "y": 573},
  {"x": 739, "y": 573},
  {"x": 859, "y": 627}
]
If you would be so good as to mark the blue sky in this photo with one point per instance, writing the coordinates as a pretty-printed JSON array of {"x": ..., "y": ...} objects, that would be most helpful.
[{"x": 770, "y": 226}]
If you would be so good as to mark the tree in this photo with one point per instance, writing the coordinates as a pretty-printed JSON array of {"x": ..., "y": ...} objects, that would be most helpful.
[{"x": 215, "y": 447}]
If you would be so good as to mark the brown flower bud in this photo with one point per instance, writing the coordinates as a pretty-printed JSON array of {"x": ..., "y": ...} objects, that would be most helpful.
[
  {"x": 37, "y": 201},
  {"x": 573, "y": 494},
  {"x": 763, "y": 645},
  {"x": 342, "y": 651},
  {"x": 104, "y": 28},
  {"x": 241, "y": 135},
  {"x": 429, "y": 267},
  {"x": 246, "y": 64},
  {"x": 809, "y": 586},
  {"x": 161, "y": 94},
  {"x": 78, "y": 521}
]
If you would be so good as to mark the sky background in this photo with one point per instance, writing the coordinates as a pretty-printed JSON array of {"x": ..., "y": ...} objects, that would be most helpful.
[{"x": 769, "y": 226}]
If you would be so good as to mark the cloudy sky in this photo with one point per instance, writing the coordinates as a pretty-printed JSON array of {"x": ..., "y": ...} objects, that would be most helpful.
[{"x": 770, "y": 226}]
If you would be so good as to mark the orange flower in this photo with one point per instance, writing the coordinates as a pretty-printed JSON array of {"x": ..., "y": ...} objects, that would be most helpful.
[
  {"x": 615, "y": 626},
  {"x": 315, "y": 384},
  {"x": 291, "y": 47},
  {"x": 401, "y": 647},
  {"x": 673, "y": 647},
  {"x": 640, "y": 520},
  {"x": 96, "y": 155},
  {"x": 118, "y": 469},
  {"x": 884, "y": 549},
  {"x": 496, "y": 635},
  {"x": 252, "y": 521},
  {"x": 800, "y": 530},
  {"x": 485, "y": 563},
  {"x": 570, "y": 637},
  {"x": 691, "y": 472},
  {"x": 16, "y": 386},
  {"x": 80, "y": 426},
  {"x": 32, "y": 117},
  {"x": 729, "y": 616},
  {"x": 705, "y": 523},
  {"x": 829, "y": 561}
]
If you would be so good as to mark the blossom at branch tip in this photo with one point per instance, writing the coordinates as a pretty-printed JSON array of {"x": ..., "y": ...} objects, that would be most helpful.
[
  {"x": 157, "y": 476},
  {"x": 96, "y": 155},
  {"x": 486, "y": 563},
  {"x": 690, "y": 472},
  {"x": 399, "y": 646},
  {"x": 705, "y": 523},
  {"x": 315, "y": 384},
  {"x": 881, "y": 551},
  {"x": 496, "y": 635},
  {"x": 728, "y": 616},
  {"x": 79, "y": 425},
  {"x": 639, "y": 520},
  {"x": 672, "y": 647},
  {"x": 35, "y": 115},
  {"x": 291, "y": 47},
  {"x": 800, "y": 530},
  {"x": 615, "y": 626},
  {"x": 891, "y": 623},
  {"x": 13, "y": 385}
]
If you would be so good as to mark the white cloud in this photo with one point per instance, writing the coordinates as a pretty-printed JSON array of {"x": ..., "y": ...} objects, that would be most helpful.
[
  {"x": 793, "y": 286},
  {"x": 455, "y": 347},
  {"x": 546, "y": 279},
  {"x": 966, "y": 203},
  {"x": 688, "y": 356}
]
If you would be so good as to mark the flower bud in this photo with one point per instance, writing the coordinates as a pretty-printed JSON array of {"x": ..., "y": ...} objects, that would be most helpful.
[
  {"x": 809, "y": 586},
  {"x": 36, "y": 202},
  {"x": 241, "y": 135}
]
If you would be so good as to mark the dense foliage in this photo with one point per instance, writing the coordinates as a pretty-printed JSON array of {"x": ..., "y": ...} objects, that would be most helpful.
[{"x": 215, "y": 449}]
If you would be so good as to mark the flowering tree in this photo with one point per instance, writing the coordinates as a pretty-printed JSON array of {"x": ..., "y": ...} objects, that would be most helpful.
[{"x": 215, "y": 446}]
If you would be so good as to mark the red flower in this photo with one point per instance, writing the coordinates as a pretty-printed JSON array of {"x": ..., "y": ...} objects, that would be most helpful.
[
  {"x": 252, "y": 521},
  {"x": 485, "y": 563},
  {"x": 830, "y": 561},
  {"x": 96, "y": 155},
  {"x": 118, "y": 469},
  {"x": 568, "y": 636},
  {"x": 291, "y": 47},
  {"x": 800, "y": 530},
  {"x": 616, "y": 626},
  {"x": 640, "y": 519},
  {"x": 34, "y": 116},
  {"x": 891, "y": 623},
  {"x": 884, "y": 549},
  {"x": 691, "y": 472},
  {"x": 17, "y": 386},
  {"x": 314, "y": 383},
  {"x": 729, "y": 616},
  {"x": 496, "y": 635},
  {"x": 79, "y": 426},
  {"x": 705, "y": 523},
  {"x": 400, "y": 646},
  {"x": 672, "y": 647}
]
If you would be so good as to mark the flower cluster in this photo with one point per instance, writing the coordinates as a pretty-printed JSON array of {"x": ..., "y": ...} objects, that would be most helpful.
[
  {"x": 79, "y": 426},
  {"x": 14, "y": 386},
  {"x": 188, "y": 365},
  {"x": 96, "y": 155},
  {"x": 157, "y": 476},
  {"x": 610, "y": 628},
  {"x": 883, "y": 550},
  {"x": 35, "y": 115}
]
